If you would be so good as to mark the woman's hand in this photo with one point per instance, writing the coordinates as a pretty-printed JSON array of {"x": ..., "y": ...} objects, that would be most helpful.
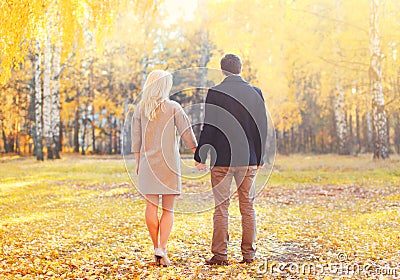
[{"x": 137, "y": 155}]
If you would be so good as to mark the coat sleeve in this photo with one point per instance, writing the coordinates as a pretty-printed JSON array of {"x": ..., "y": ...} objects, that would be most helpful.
[
  {"x": 261, "y": 128},
  {"x": 184, "y": 128},
  {"x": 136, "y": 131},
  {"x": 208, "y": 132}
]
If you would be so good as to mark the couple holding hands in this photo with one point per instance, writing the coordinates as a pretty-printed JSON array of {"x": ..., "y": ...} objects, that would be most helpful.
[{"x": 234, "y": 133}]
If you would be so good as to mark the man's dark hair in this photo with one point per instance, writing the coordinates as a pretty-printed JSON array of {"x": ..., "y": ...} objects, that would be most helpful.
[{"x": 231, "y": 64}]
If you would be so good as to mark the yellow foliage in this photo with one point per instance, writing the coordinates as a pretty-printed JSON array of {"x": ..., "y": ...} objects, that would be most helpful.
[{"x": 25, "y": 20}]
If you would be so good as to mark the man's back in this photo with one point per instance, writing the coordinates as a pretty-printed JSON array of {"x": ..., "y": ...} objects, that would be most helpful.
[{"x": 235, "y": 124}]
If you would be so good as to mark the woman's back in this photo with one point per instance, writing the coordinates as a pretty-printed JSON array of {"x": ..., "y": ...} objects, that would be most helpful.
[{"x": 159, "y": 169}]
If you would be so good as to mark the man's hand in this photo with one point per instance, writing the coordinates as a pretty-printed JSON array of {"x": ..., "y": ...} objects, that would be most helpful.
[
  {"x": 200, "y": 166},
  {"x": 260, "y": 166}
]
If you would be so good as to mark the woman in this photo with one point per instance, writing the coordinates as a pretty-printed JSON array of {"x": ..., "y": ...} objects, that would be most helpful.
[{"x": 154, "y": 143}]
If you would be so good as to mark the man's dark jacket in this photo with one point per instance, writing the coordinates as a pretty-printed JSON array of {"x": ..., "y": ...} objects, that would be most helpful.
[{"x": 235, "y": 125}]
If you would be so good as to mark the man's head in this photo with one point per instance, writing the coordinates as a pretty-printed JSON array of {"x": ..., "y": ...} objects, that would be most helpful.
[{"x": 231, "y": 64}]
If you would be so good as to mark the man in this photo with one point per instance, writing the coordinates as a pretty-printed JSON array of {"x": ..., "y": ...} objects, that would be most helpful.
[{"x": 234, "y": 132}]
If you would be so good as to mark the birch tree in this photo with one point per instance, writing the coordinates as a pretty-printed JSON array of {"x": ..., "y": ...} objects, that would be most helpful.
[
  {"x": 55, "y": 98},
  {"x": 339, "y": 94},
  {"x": 375, "y": 80},
  {"x": 38, "y": 104},
  {"x": 47, "y": 98}
]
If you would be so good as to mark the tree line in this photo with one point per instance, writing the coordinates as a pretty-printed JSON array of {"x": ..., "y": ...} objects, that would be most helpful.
[{"x": 71, "y": 71}]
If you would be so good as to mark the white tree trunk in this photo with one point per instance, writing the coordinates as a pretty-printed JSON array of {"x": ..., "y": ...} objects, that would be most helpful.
[
  {"x": 340, "y": 119},
  {"x": 339, "y": 97},
  {"x": 375, "y": 75},
  {"x": 47, "y": 93},
  {"x": 38, "y": 105},
  {"x": 55, "y": 98}
]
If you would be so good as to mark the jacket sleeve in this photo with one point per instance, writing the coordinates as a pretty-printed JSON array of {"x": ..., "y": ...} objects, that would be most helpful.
[
  {"x": 261, "y": 127},
  {"x": 136, "y": 131},
  {"x": 184, "y": 127},
  {"x": 208, "y": 131}
]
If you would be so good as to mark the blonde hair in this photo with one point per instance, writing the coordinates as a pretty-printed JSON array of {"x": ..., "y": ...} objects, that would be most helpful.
[{"x": 156, "y": 90}]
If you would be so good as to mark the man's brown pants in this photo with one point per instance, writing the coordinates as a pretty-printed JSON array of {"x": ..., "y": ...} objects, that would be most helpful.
[{"x": 221, "y": 180}]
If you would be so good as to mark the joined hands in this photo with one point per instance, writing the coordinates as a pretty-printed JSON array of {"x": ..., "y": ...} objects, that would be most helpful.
[{"x": 200, "y": 166}]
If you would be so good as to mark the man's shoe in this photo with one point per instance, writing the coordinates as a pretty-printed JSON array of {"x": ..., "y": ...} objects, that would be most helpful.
[
  {"x": 247, "y": 261},
  {"x": 215, "y": 261}
]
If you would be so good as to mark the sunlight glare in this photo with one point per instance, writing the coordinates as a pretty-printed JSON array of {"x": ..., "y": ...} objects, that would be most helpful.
[{"x": 179, "y": 9}]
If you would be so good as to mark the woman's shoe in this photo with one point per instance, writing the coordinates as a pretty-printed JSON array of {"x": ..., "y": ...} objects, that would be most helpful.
[
  {"x": 162, "y": 257},
  {"x": 157, "y": 259},
  {"x": 158, "y": 255},
  {"x": 165, "y": 261}
]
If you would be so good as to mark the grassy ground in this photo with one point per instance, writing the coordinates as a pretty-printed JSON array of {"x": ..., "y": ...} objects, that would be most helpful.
[{"x": 80, "y": 218}]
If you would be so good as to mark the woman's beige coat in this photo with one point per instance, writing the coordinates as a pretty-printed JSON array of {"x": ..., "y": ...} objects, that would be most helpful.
[{"x": 159, "y": 168}]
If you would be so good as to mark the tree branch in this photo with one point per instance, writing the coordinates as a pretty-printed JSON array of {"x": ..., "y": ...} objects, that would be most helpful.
[
  {"x": 64, "y": 65},
  {"x": 343, "y": 66},
  {"x": 332, "y": 19}
]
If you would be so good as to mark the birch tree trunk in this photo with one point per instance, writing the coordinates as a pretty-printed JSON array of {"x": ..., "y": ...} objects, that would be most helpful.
[
  {"x": 109, "y": 119},
  {"x": 369, "y": 131},
  {"x": 87, "y": 63},
  {"x": 375, "y": 80},
  {"x": 126, "y": 125},
  {"x": 77, "y": 119},
  {"x": 92, "y": 98},
  {"x": 84, "y": 124},
  {"x": 55, "y": 98},
  {"x": 339, "y": 98},
  {"x": 204, "y": 59},
  {"x": 38, "y": 105},
  {"x": 340, "y": 119},
  {"x": 47, "y": 94},
  {"x": 125, "y": 122},
  {"x": 31, "y": 126}
]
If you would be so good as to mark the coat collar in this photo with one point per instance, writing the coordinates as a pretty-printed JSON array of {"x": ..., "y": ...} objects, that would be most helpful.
[{"x": 234, "y": 78}]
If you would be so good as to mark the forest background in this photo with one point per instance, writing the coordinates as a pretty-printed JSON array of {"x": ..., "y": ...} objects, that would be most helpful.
[{"x": 72, "y": 70}]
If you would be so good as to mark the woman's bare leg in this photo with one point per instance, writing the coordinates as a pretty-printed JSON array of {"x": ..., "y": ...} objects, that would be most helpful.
[
  {"x": 167, "y": 219},
  {"x": 152, "y": 217}
]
